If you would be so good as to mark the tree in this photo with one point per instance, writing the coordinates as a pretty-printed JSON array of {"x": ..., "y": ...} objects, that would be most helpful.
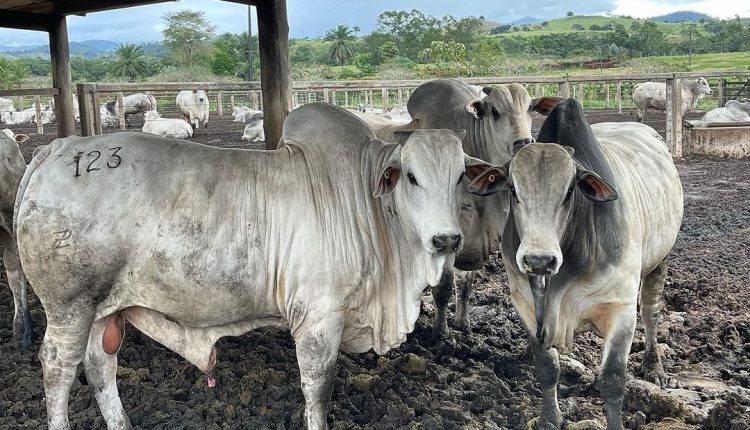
[
  {"x": 187, "y": 32},
  {"x": 387, "y": 51},
  {"x": 569, "y": 14},
  {"x": 129, "y": 61},
  {"x": 341, "y": 50}
]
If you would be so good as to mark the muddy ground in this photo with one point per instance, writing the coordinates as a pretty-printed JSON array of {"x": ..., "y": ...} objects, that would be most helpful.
[{"x": 483, "y": 379}]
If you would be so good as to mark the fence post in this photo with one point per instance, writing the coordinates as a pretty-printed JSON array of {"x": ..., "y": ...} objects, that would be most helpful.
[
  {"x": 581, "y": 97},
  {"x": 537, "y": 90},
  {"x": 400, "y": 97},
  {"x": 346, "y": 99},
  {"x": 372, "y": 100},
  {"x": 38, "y": 115},
  {"x": 674, "y": 117},
  {"x": 120, "y": 111},
  {"x": 97, "y": 114},
  {"x": 333, "y": 97},
  {"x": 722, "y": 92},
  {"x": 563, "y": 88},
  {"x": 219, "y": 107},
  {"x": 325, "y": 95},
  {"x": 231, "y": 100},
  {"x": 606, "y": 84},
  {"x": 384, "y": 91},
  {"x": 254, "y": 96},
  {"x": 86, "y": 112},
  {"x": 618, "y": 96}
]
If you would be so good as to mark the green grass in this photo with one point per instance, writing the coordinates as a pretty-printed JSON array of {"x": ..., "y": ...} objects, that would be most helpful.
[{"x": 565, "y": 25}]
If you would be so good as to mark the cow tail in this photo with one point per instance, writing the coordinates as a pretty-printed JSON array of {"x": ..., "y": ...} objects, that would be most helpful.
[{"x": 40, "y": 154}]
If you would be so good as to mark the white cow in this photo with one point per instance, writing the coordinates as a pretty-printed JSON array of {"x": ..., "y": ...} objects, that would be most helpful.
[
  {"x": 592, "y": 219},
  {"x": 107, "y": 119},
  {"x": 76, "y": 109},
  {"x": 733, "y": 111},
  {"x": 166, "y": 127},
  {"x": 334, "y": 235},
  {"x": 133, "y": 104},
  {"x": 654, "y": 95},
  {"x": 27, "y": 116},
  {"x": 254, "y": 128},
  {"x": 6, "y": 105},
  {"x": 193, "y": 105},
  {"x": 12, "y": 166}
]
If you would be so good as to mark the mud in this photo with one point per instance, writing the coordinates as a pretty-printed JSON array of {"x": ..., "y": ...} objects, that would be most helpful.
[{"x": 483, "y": 379}]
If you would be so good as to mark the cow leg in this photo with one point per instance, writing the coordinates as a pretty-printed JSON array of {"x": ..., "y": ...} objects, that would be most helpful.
[
  {"x": 101, "y": 372},
  {"x": 17, "y": 283},
  {"x": 652, "y": 286},
  {"x": 612, "y": 382},
  {"x": 62, "y": 349},
  {"x": 442, "y": 295},
  {"x": 464, "y": 282},
  {"x": 317, "y": 350},
  {"x": 547, "y": 372}
]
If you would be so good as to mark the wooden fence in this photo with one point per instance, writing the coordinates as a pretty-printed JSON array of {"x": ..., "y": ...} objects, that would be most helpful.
[{"x": 387, "y": 94}]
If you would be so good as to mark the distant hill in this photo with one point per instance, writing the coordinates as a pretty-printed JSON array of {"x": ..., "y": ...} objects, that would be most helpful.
[
  {"x": 87, "y": 49},
  {"x": 527, "y": 20},
  {"x": 682, "y": 16}
]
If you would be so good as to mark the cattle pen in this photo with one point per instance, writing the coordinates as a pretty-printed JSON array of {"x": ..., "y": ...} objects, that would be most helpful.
[{"x": 600, "y": 94}]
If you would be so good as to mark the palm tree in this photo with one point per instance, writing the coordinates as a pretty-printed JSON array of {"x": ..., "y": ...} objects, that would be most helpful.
[
  {"x": 129, "y": 61},
  {"x": 341, "y": 49}
]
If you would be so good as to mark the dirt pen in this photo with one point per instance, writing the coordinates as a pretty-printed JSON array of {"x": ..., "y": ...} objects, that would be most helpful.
[{"x": 479, "y": 380}]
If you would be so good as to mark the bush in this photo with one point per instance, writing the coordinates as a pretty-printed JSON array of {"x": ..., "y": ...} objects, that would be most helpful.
[{"x": 195, "y": 73}]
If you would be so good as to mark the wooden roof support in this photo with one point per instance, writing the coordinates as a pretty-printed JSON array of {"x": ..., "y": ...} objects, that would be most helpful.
[
  {"x": 24, "y": 21},
  {"x": 275, "y": 73},
  {"x": 59, "y": 52}
]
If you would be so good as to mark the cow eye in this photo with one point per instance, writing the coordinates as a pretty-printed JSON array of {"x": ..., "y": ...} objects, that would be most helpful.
[
  {"x": 513, "y": 192},
  {"x": 461, "y": 177},
  {"x": 412, "y": 179},
  {"x": 495, "y": 114}
]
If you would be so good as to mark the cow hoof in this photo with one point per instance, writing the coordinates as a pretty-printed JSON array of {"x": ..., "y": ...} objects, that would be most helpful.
[
  {"x": 540, "y": 424},
  {"x": 463, "y": 325},
  {"x": 660, "y": 378}
]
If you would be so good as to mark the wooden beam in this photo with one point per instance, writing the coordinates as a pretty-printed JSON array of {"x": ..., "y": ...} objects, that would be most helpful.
[
  {"x": 81, "y": 7},
  {"x": 59, "y": 52},
  {"x": 275, "y": 74},
  {"x": 24, "y": 21},
  {"x": 30, "y": 92}
]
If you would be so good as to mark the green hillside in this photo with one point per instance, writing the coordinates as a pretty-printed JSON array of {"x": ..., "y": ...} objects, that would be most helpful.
[{"x": 566, "y": 25}]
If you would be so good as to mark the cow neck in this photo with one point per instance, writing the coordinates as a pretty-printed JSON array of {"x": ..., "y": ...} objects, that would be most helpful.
[{"x": 403, "y": 277}]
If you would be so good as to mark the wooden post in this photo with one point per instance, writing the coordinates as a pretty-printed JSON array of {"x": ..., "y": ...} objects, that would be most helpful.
[
  {"x": 325, "y": 95},
  {"x": 219, "y": 107},
  {"x": 618, "y": 96},
  {"x": 333, "y": 97},
  {"x": 20, "y": 103},
  {"x": 384, "y": 92},
  {"x": 563, "y": 88},
  {"x": 295, "y": 97},
  {"x": 606, "y": 84},
  {"x": 38, "y": 115},
  {"x": 120, "y": 111},
  {"x": 255, "y": 104},
  {"x": 722, "y": 92},
  {"x": 674, "y": 117},
  {"x": 86, "y": 110},
  {"x": 60, "y": 55},
  {"x": 372, "y": 100},
  {"x": 400, "y": 97},
  {"x": 346, "y": 99},
  {"x": 276, "y": 78},
  {"x": 537, "y": 90},
  {"x": 97, "y": 114},
  {"x": 231, "y": 100},
  {"x": 580, "y": 95}
]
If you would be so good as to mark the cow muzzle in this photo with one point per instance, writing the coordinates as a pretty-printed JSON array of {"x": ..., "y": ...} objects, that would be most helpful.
[
  {"x": 446, "y": 243},
  {"x": 540, "y": 265}
]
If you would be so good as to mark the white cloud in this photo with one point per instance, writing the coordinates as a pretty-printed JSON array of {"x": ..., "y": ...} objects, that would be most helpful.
[{"x": 717, "y": 8}]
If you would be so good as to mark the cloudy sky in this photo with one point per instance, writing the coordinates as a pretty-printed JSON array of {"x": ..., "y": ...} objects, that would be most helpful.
[{"x": 310, "y": 18}]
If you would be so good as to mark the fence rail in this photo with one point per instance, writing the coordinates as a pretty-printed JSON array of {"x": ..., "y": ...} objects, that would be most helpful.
[{"x": 595, "y": 90}]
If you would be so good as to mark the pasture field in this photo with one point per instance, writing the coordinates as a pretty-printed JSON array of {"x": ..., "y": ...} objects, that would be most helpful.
[
  {"x": 567, "y": 24},
  {"x": 483, "y": 379}
]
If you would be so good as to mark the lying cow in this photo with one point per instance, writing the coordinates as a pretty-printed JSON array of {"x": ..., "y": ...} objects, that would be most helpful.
[
  {"x": 254, "y": 129},
  {"x": 193, "y": 106},
  {"x": 243, "y": 113},
  {"x": 733, "y": 111},
  {"x": 495, "y": 121},
  {"x": 654, "y": 95},
  {"x": 133, "y": 104},
  {"x": 27, "y": 116},
  {"x": 6, "y": 105},
  {"x": 592, "y": 218},
  {"x": 166, "y": 127},
  {"x": 12, "y": 166},
  {"x": 334, "y": 235}
]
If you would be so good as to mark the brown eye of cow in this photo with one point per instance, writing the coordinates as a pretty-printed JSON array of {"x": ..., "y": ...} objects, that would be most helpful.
[
  {"x": 412, "y": 179},
  {"x": 495, "y": 114}
]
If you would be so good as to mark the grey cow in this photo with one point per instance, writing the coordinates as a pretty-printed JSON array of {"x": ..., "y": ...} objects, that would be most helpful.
[
  {"x": 495, "y": 120},
  {"x": 654, "y": 95},
  {"x": 590, "y": 223},
  {"x": 12, "y": 167},
  {"x": 334, "y": 235}
]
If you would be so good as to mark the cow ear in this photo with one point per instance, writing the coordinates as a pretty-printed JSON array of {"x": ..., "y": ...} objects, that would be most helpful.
[
  {"x": 387, "y": 179},
  {"x": 461, "y": 133},
  {"x": 569, "y": 149},
  {"x": 594, "y": 188},
  {"x": 402, "y": 136},
  {"x": 20, "y": 138},
  {"x": 476, "y": 108},
  {"x": 544, "y": 105},
  {"x": 485, "y": 179},
  {"x": 195, "y": 91},
  {"x": 487, "y": 90}
]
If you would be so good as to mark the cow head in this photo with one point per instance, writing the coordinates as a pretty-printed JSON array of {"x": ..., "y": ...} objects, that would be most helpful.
[
  {"x": 506, "y": 114},
  {"x": 702, "y": 87},
  {"x": 151, "y": 115},
  {"x": 426, "y": 174},
  {"x": 543, "y": 178},
  {"x": 18, "y": 138}
]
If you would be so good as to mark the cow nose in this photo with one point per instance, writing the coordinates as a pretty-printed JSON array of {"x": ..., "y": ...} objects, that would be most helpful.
[
  {"x": 539, "y": 264},
  {"x": 446, "y": 243},
  {"x": 524, "y": 141}
]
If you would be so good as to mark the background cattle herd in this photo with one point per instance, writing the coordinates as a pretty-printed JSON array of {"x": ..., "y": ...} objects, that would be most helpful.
[{"x": 336, "y": 235}]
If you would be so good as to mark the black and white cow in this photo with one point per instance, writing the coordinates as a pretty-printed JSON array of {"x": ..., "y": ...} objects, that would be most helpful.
[{"x": 593, "y": 216}]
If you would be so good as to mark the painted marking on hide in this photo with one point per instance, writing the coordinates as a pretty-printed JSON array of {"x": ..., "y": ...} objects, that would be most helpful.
[
  {"x": 60, "y": 240},
  {"x": 93, "y": 157}
]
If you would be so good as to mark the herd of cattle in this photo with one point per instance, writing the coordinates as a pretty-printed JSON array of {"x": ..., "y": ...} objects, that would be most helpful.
[{"x": 336, "y": 234}]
